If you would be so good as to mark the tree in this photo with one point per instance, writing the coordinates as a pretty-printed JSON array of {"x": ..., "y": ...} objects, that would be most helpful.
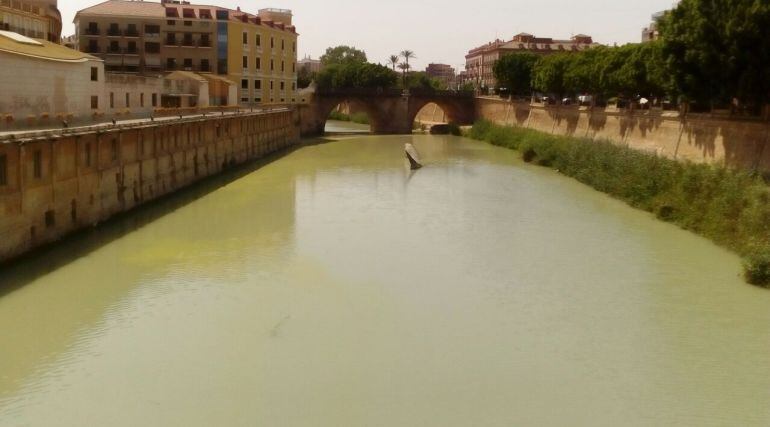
[
  {"x": 404, "y": 67},
  {"x": 549, "y": 74},
  {"x": 514, "y": 72},
  {"x": 304, "y": 77},
  {"x": 719, "y": 49},
  {"x": 342, "y": 55},
  {"x": 353, "y": 75},
  {"x": 393, "y": 61},
  {"x": 407, "y": 55}
]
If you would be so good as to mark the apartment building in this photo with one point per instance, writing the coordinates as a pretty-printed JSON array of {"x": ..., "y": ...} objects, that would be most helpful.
[
  {"x": 148, "y": 38},
  {"x": 37, "y": 19},
  {"x": 480, "y": 62},
  {"x": 443, "y": 72}
]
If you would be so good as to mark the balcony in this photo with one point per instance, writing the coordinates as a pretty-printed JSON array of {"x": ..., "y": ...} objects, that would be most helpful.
[
  {"x": 114, "y": 33},
  {"x": 204, "y": 43},
  {"x": 131, "y": 33},
  {"x": 92, "y": 32},
  {"x": 188, "y": 43}
]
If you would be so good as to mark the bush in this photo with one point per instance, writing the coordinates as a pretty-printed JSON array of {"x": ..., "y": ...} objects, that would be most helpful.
[{"x": 731, "y": 207}]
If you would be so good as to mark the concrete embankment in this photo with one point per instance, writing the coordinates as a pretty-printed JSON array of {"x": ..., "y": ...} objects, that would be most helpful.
[
  {"x": 700, "y": 138},
  {"x": 54, "y": 183}
]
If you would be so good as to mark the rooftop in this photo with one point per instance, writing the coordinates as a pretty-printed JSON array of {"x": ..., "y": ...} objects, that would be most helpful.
[{"x": 37, "y": 48}]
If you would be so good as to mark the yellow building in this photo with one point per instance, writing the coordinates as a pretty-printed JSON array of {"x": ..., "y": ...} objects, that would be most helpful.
[
  {"x": 37, "y": 19},
  {"x": 262, "y": 56}
]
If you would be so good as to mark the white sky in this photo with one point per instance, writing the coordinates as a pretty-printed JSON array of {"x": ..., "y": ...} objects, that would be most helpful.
[{"x": 440, "y": 31}]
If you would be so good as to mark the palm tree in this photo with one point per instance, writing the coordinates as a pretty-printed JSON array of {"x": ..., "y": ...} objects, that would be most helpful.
[
  {"x": 393, "y": 60},
  {"x": 407, "y": 55},
  {"x": 404, "y": 67}
]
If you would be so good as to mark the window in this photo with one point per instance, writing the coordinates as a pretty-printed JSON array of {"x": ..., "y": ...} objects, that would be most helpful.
[
  {"x": 244, "y": 84},
  {"x": 259, "y": 40},
  {"x": 259, "y": 63},
  {"x": 245, "y": 37},
  {"x": 94, "y": 102},
  {"x": 283, "y": 44},
  {"x": 152, "y": 29},
  {"x": 171, "y": 39},
  {"x": 171, "y": 63},
  {"x": 272, "y": 42},
  {"x": 258, "y": 84},
  {"x": 272, "y": 65},
  {"x": 128, "y": 100},
  {"x": 258, "y": 100},
  {"x": 205, "y": 65},
  {"x": 171, "y": 22},
  {"x": 3, "y": 170},
  {"x": 205, "y": 41},
  {"x": 37, "y": 164},
  {"x": 283, "y": 85},
  {"x": 188, "y": 64},
  {"x": 94, "y": 74},
  {"x": 114, "y": 47},
  {"x": 245, "y": 62},
  {"x": 151, "y": 47},
  {"x": 131, "y": 31},
  {"x": 245, "y": 100},
  {"x": 283, "y": 66},
  {"x": 294, "y": 86},
  {"x": 222, "y": 15},
  {"x": 294, "y": 46},
  {"x": 141, "y": 100},
  {"x": 93, "y": 46},
  {"x": 188, "y": 23},
  {"x": 271, "y": 84},
  {"x": 112, "y": 100},
  {"x": 154, "y": 99}
]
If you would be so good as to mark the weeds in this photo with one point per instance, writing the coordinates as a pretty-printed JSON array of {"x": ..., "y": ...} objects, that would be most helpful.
[{"x": 731, "y": 207}]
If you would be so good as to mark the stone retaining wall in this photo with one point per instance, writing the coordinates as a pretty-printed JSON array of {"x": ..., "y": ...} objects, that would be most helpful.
[
  {"x": 56, "y": 184},
  {"x": 700, "y": 138}
]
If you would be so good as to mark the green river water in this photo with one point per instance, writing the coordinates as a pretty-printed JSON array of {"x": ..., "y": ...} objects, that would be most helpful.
[{"x": 334, "y": 287}]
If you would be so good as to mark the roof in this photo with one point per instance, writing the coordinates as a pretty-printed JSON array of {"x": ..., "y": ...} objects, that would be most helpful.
[
  {"x": 214, "y": 77},
  {"x": 125, "y": 8},
  {"x": 15, "y": 44},
  {"x": 185, "y": 75}
]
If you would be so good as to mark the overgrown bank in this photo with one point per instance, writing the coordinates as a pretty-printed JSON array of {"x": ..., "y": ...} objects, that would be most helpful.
[
  {"x": 360, "y": 118},
  {"x": 731, "y": 207}
]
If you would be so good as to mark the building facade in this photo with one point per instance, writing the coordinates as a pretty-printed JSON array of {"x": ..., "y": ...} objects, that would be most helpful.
[
  {"x": 37, "y": 19},
  {"x": 480, "y": 62},
  {"x": 149, "y": 38},
  {"x": 43, "y": 82},
  {"x": 442, "y": 72},
  {"x": 310, "y": 65},
  {"x": 652, "y": 33}
]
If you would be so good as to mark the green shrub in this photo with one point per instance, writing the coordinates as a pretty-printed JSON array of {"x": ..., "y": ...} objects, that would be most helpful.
[{"x": 731, "y": 207}]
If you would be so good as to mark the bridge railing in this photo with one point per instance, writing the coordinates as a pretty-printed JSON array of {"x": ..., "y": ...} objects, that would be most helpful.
[{"x": 374, "y": 92}]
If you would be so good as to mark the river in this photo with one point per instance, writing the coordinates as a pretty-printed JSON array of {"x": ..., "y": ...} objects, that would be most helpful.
[{"x": 332, "y": 286}]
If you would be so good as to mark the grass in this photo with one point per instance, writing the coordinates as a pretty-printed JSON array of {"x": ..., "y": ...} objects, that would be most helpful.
[
  {"x": 360, "y": 118},
  {"x": 727, "y": 206}
]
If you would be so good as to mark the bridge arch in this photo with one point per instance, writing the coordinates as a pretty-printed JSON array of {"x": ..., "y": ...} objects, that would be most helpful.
[{"x": 389, "y": 111}]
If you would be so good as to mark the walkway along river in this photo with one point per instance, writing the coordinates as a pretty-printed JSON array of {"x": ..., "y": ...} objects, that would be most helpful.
[{"x": 334, "y": 287}]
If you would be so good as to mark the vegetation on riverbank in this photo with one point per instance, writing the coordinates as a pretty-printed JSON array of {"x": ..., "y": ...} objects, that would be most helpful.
[
  {"x": 360, "y": 118},
  {"x": 730, "y": 207}
]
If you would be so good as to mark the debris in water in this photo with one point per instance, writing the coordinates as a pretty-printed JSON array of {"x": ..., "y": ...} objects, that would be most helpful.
[{"x": 412, "y": 156}]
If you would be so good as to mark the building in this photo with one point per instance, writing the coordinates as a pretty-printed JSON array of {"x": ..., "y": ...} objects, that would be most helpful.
[
  {"x": 255, "y": 52},
  {"x": 37, "y": 19},
  {"x": 44, "y": 81},
  {"x": 310, "y": 65},
  {"x": 652, "y": 33},
  {"x": 443, "y": 72},
  {"x": 480, "y": 62}
]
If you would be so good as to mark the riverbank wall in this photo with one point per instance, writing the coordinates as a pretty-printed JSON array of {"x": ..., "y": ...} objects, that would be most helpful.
[
  {"x": 699, "y": 138},
  {"x": 54, "y": 183}
]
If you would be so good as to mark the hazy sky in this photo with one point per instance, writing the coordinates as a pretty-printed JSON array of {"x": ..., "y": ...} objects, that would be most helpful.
[{"x": 440, "y": 31}]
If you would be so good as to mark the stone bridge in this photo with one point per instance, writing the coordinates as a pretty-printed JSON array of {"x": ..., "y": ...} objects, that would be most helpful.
[{"x": 389, "y": 111}]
